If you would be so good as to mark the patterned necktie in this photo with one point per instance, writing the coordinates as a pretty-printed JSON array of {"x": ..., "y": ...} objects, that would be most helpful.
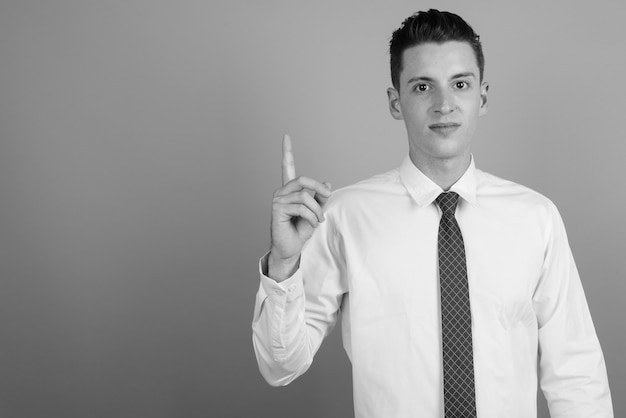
[{"x": 456, "y": 321}]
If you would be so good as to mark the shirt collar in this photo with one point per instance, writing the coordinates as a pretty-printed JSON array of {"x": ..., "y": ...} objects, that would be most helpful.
[{"x": 424, "y": 191}]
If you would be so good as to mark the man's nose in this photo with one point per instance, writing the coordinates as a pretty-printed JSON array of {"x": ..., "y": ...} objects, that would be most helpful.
[{"x": 444, "y": 102}]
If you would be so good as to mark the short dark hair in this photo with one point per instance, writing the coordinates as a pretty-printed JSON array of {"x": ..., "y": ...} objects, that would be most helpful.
[{"x": 431, "y": 26}]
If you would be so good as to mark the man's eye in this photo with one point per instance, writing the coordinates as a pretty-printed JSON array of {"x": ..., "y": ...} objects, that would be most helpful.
[
  {"x": 422, "y": 87},
  {"x": 461, "y": 85}
]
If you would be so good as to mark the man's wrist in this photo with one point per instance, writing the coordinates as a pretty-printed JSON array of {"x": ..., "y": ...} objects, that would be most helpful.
[{"x": 281, "y": 269}]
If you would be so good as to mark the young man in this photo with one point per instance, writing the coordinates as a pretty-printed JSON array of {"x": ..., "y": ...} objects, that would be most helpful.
[{"x": 453, "y": 284}]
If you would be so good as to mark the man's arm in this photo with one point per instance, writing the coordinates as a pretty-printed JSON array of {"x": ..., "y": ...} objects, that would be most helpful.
[
  {"x": 290, "y": 323},
  {"x": 572, "y": 369},
  {"x": 292, "y": 318}
]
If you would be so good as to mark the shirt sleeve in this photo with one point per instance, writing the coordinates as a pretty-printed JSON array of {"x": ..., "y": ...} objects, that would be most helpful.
[
  {"x": 291, "y": 318},
  {"x": 572, "y": 371}
]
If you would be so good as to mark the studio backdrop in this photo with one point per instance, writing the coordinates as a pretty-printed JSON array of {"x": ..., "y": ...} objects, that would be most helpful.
[{"x": 140, "y": 147}]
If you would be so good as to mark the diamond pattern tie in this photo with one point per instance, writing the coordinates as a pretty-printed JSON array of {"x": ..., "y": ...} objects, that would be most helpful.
[{"x": 456, "y": 321}]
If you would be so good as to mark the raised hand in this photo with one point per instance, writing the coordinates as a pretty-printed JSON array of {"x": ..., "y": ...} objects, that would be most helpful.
[{"x": 296, "y": 212}]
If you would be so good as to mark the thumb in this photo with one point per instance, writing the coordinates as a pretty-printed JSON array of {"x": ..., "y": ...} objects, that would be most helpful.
[{"x": 321, "y": 199}]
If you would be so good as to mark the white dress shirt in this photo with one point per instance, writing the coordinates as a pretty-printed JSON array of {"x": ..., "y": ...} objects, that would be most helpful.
[{"x": 375, "y": 259}]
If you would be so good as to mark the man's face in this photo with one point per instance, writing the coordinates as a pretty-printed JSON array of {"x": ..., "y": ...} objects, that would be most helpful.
[{"x": 440, "y": 98}]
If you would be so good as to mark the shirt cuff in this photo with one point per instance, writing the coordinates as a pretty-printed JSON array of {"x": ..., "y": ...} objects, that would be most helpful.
[{"x": 282, "y": 292}]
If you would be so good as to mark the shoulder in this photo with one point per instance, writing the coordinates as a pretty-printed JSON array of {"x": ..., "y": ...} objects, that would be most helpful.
[
  {"x": 513, "y": 196},
  {"x": 366, "y": 194},
  {"x": 373, "y": 187},
  {"x": 517, "y": 206}
]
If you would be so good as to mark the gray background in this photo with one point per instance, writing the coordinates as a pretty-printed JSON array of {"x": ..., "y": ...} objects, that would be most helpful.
[{"x": 140, "y": 146}]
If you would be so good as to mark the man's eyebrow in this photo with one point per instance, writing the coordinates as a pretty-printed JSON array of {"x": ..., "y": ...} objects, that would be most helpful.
[
  {"x": 419, "y": 78},
  {"x": 430, "y": 79},
  {"x": 463, "y": 75}
]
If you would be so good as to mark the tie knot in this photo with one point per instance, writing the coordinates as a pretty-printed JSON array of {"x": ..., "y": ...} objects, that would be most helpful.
[{"x": 447, "y": 202}]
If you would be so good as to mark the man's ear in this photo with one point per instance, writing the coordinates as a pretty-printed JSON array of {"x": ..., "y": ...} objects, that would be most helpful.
[
  {"x": 484, "y": 88},
  {"x": 394, "y": 103}
]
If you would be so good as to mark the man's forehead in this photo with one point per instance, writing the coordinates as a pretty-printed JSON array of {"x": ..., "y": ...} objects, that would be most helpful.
[{"x": 439, "y": 60}]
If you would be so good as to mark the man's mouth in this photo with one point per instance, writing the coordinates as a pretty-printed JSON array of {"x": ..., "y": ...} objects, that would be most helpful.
[
  {"x": 441, "y": 125},
  {"x": 444, "y": 128}
]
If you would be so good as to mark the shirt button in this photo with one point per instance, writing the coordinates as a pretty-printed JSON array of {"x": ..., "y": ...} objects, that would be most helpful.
[
  {"x": 291, "y": 288},
  {"x": 279, "y": 292}
]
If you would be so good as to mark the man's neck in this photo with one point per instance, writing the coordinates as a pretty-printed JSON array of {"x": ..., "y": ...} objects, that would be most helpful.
[{"x": 442, "y": 171}]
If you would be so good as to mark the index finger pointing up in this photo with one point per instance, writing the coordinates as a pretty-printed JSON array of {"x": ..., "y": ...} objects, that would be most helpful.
[{"x": 289, "y": 167}]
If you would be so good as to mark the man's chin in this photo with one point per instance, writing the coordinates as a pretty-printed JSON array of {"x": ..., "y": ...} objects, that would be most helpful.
[{"x": 449, "y": 149}]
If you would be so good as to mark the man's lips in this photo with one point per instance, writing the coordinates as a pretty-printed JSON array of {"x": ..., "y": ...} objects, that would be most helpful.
[
  {"x": 444, "y": 128},
  {"x": 444, "y": 125}
]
